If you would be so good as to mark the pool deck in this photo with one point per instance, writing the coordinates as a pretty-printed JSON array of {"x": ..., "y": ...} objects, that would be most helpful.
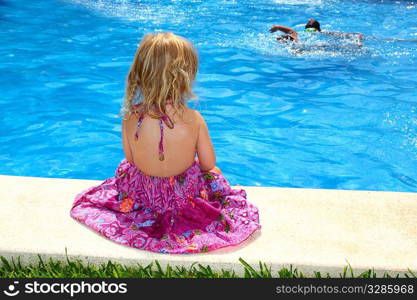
[{"x": 310, "y": 229}]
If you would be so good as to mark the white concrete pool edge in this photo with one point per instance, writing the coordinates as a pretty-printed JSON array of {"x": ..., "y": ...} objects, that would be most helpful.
[{"x": 310, "y": 229}]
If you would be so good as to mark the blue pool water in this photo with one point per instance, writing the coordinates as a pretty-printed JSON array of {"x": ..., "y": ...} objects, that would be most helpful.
[{"x": 335, "y": 118}]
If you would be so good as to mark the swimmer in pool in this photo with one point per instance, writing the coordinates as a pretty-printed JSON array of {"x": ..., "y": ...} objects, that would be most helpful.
[{"x": 313, "y": 26}]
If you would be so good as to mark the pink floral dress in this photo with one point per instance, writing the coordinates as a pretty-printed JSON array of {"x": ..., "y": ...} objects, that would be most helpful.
[{"x": 188, "y": 213}]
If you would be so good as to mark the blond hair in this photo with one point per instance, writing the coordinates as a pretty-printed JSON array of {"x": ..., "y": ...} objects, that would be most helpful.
[{"x": 163, "y": 70}]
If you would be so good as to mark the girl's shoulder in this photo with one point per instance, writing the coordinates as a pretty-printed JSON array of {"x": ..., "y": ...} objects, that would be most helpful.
[
  {"x": 133, "y": 114},
  {"x": 199, "y": 117},
  {"x": 192, "y": 116}
]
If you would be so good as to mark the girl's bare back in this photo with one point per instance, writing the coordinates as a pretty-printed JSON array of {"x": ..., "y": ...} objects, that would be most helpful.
[{"x": 180, "y": 144}]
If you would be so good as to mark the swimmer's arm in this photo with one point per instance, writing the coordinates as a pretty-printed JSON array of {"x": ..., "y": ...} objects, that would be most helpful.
[
  {"x": 286, "y": 30},
  {"x": 126, "y": 146},
  {"x": 205, "y": 149}
]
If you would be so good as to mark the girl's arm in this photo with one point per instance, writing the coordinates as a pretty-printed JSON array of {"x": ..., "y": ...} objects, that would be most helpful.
[
  {"x": 205, "y": 149},
  {"x": 126, "y": 146}
]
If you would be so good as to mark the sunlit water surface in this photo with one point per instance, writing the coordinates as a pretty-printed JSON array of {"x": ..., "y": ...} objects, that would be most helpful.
[{"x": 336, "y": 117}]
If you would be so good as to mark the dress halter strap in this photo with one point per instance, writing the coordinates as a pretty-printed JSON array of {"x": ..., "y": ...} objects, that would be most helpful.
[
  {"x": 163, "y": 119},
  {"x": 168, "y": 122},
  {"x": 137, "y": 127}
]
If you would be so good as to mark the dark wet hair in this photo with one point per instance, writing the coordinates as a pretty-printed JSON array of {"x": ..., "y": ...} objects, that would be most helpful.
[{"x": 313, "y": 24}]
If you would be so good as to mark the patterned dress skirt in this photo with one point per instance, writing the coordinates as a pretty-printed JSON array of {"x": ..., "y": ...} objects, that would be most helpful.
[{"x": 188, "y": 213}]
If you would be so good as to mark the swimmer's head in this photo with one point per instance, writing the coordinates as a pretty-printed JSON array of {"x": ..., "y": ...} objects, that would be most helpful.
[
  {"x": 312, "y": 25},
  {"x": 162, "y": 72}
]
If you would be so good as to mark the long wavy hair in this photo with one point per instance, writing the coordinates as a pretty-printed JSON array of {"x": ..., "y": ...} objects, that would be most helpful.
[{"x": 163, "y": 71}]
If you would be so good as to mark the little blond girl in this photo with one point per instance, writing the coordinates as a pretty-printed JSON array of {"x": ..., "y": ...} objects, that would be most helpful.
[{"x": 162, "y": 198}]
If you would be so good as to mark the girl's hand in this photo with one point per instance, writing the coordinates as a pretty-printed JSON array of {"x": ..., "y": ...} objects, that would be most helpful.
[{"x": 214, "y": 170}]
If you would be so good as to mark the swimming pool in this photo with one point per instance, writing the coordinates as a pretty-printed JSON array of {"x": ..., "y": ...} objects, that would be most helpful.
[{"x": 338, "y": 119}]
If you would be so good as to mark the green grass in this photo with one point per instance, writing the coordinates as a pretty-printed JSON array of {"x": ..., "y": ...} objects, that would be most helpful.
[{"x": 77, "y": 269}]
